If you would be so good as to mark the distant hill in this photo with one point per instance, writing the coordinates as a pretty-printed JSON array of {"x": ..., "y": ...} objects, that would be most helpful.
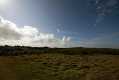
[{"x": 26, "y": 50}]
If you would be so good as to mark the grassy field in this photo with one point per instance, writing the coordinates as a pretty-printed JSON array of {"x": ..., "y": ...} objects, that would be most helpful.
[{"x": 59, "y": 67}]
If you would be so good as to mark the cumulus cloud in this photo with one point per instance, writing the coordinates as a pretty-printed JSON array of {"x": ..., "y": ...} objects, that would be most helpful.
[
  {"x": 11, "y": 34},
  {"x": 8, "y": 30}
]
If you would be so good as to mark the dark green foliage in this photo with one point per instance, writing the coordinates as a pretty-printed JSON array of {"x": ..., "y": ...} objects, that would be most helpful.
[{"x": 22, "y": 50}]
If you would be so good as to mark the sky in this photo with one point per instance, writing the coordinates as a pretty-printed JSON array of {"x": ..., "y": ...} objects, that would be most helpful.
[{"x": 60, "y": 23}]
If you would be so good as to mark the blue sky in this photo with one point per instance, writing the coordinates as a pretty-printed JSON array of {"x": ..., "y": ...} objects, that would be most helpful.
[{"x": 89, "y": 23}]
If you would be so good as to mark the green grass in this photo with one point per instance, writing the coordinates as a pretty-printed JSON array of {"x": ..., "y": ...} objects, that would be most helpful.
[{"x": 60, "y": 67}]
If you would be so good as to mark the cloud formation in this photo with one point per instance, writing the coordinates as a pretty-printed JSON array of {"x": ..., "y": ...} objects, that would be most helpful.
[
  {"x": 104, "y": 7},
  {"x": 11, "y": 34}
]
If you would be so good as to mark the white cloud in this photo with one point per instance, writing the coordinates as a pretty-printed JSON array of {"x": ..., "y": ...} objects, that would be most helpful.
[
  {"x": 66, "y": 39},
  {"x": 8, "y": 30},
  {"x": 11, "y": 34}
]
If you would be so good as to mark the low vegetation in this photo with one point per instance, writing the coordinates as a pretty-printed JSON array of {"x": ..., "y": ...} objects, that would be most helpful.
[
  {"x": 27, "y": 63},
  {"x": 22, "y": 50}
]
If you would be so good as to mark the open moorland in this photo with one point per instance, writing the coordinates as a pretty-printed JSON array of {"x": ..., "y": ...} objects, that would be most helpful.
[{"x": 33, "y": 63}]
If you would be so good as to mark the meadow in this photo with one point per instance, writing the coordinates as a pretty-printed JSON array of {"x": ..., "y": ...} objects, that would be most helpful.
[{"x": 28, "y": 63}]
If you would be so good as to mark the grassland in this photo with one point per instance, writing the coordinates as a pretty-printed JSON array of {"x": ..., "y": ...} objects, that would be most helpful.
[{"x": 60, "y": 65}]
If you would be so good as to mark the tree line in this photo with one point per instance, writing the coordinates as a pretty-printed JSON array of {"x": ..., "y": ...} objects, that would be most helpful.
[{"x": 26, "y": 50}]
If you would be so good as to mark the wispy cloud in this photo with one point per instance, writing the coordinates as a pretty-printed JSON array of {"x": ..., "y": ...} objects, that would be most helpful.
[
  {"x": 104, "y": 8},
  {"x": 103, "y": 41},
  {"x": 58, "y": 30},
  {"x": 11, "y": 34}
]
